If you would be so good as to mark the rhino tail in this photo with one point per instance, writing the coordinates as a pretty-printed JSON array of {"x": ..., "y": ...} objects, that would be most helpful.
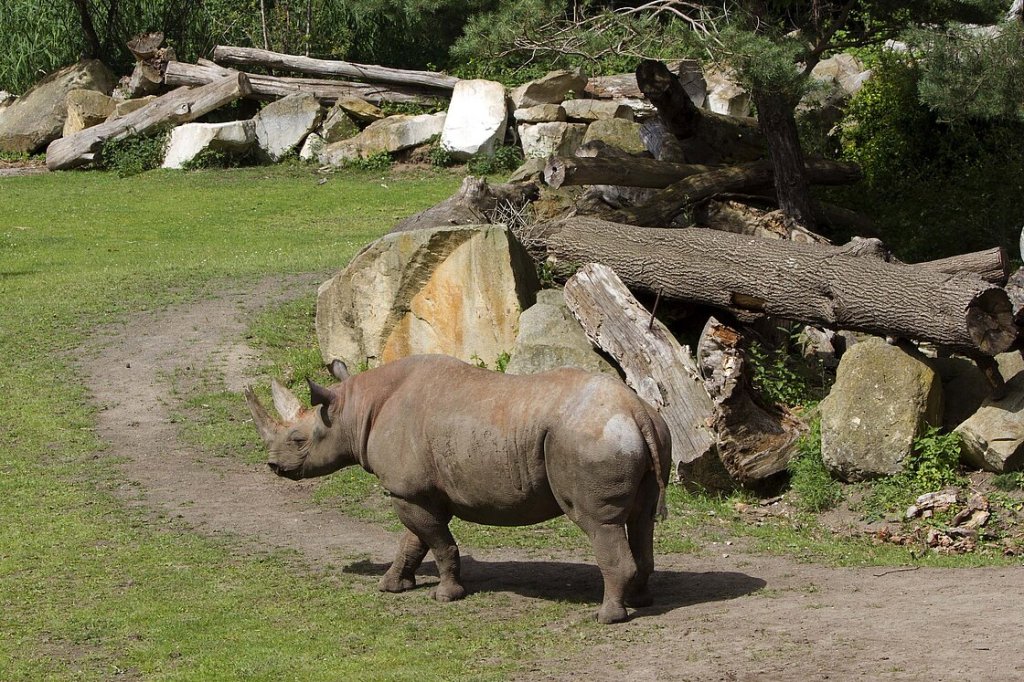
[{"x": 650, "y": 434}]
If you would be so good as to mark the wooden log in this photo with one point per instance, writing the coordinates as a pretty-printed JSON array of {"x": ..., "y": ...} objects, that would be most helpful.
[
  {"x": 992, "y": 265},
  {"x": 807, "y": 283},
  {"x": 624, "y": 86},
  {"x": 754, "y": 440},
  {"x": 475, "y": 203},
  {"x": 177, "y": 106},
  {"x": 251, "y": 56},
  {"x": 718, "y": 138},
  {"x": 631, "y": 172},
  {"x": 691, "y": 190},
  {"x": 662, "y": 144},
  {"x": 660, "y": 370},
  {"x": 271, "y": 87}
]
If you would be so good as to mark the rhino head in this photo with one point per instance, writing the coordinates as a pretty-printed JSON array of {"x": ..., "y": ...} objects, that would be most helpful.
[{"x": 303, "y": 442}]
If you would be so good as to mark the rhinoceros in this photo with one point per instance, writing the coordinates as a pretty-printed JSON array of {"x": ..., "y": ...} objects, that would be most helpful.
[{"x": 449, "y": 439}]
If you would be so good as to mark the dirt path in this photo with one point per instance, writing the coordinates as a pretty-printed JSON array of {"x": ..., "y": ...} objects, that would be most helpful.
[{"x": 736, "y": 617}]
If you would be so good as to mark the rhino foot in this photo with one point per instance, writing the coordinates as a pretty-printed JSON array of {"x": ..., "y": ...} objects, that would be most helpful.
[
  {"x": 611, "y": 613},
  {"x": 395, "y": 583},
  {"x": 448, "y": 592}
]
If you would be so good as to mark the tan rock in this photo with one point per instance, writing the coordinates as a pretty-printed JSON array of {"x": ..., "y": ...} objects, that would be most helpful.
[
  {"x": 360, "y": 110},
  {"x": 551, "y": 89},
  {"x": 452, "y": 290},
  {"x": 993, "y": 437},
  {"x": 542, "y": 113},
  {"x": 125, "y": 107},
  {"x": 589, "y": 110},
  {"x": 86, "y": 108},
  {"x": 616, "y": 132}
]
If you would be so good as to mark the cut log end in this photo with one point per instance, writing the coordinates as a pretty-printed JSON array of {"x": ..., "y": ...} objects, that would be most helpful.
[{"x": 990, "y": 321}]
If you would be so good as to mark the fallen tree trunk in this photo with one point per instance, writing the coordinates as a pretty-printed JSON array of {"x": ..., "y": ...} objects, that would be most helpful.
[
  {"x": 660, "y": 370},
  {"x": 629, "y": 172},
  {"x": 808, "y": 283},
  {"x": 476, "y": 203},
  {"x": 273, "y": 87},
  {"x": 251, "y": 56},
  {"x": 179, "y": 106},
  {"x": 755, "y": 441},
  {"x": 718, "y": 138},
  {"x": 677, "y": 197},
  {"x": 992, "y": 265}
]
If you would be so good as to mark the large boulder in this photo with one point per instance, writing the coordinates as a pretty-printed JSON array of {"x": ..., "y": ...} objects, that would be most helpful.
[
  {"x": 844, "y": 70},
  {"x": 964, "y": 388},
  {"x": 882, "y": 399},
  {"x": 589, "y": 110},
  {"x": 549, "y": 337},
  {"x": 391, "y": 134},
  {"x": 617, "y": 132},
  {"x": 86, "y": 108},
  {"x": 37, "y": 117},
  {"x": 338, "y": 125},
  {"x": 541, "y": 113},
  {"x": 551, "y": 89},
  {"x": 993, "y": 437},
  {"x": 189, "y": 140},
  {"x": 360, "y": 110},
  {"x": 127, "y": 106},
  {"x": 725, "y": 95},
  {"x": 545, "y": 139},
  {"x": 452, "y": 290},
  {"x": 282, "y": 125},
  {"x": 477, "y": 118}
]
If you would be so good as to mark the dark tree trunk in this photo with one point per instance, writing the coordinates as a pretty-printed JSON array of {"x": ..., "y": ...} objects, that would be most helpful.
[
  {"x": 92, "y": 41},
  {"x": 775, "y": 113}
]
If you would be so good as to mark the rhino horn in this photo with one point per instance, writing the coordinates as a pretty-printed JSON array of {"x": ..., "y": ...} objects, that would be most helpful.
[
  {"x": 266, "y": 425},
  {"x": 285, "y": 402},
  {"x": 318, "y": 395}
]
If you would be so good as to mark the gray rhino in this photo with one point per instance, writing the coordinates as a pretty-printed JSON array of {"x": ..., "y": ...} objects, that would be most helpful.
[{"x": 449, "y": 439}]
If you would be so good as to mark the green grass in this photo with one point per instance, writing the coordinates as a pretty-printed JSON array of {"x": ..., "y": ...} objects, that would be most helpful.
[{"x": 92, "y": 589}]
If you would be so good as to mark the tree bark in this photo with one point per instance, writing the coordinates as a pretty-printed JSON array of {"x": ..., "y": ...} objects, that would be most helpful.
[
  {"x": 272, "y": 87},
  {"x": 250, "y": 56},
  {"x": 178, "y": 106},
  {"x": 631, "y": 172},
  {"x": 808, "y": 283},
  {"x": 778, "y": 123},
  {"x": 675, "y": 198},
  {"x": 93, "y": 49},
  {"x": 660, "y": 370},
  {"x": 755, "y": 441}
]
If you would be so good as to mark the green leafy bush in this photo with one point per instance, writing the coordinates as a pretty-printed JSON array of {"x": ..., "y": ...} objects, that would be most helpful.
[
  {"x": 934, "y": 464},
  {"x": 503, "y": 160},
  {"x": 379, "y": 162},
  {"x": 440, "y": 157},
  {"x": 136, "y": 153},
  {"x": 815, "y": 489}
]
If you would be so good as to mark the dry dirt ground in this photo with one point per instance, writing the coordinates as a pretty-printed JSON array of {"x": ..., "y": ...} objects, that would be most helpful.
[{"x": 740, "y": 616}]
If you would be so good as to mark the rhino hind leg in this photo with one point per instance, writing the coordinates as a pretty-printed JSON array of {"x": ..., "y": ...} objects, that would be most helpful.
[
  {"x": 402, "y": 574},
  {"x": 618, "y": 568},
  {"x": 431, "y": 528}
]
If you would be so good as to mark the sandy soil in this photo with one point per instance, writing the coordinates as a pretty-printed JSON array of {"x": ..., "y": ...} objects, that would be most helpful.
[{"x": 738, "y": 616}]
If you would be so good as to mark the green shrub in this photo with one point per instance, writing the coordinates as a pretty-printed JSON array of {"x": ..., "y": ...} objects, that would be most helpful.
[
  {"x": 379, "y": 162},
  {"x": 933, "y": 464},
  {"x": 815, "y": 489},
  {"x": 503, "y": 160},
  {"x": 440, "y": 157},
  {"x": 1009, "y": 481},
  {"x": 787, "y": 378},
  {"x": 136, "y": 153}
]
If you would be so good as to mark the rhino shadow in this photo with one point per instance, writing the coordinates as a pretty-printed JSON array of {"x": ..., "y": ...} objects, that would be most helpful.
[{"x": 580, "y": 583}]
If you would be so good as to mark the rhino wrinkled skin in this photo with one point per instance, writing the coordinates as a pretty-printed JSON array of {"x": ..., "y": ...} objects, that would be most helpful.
[{"x": 449, "y": 439}]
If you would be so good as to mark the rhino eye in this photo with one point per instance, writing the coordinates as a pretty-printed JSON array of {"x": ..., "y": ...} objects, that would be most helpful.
[{"x": 298, "y": 440}]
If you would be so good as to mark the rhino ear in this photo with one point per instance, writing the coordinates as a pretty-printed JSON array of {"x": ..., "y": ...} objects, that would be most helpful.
[
  {"x": 318, "y": 395},
  {"x": 285, "y": 402},
  {"x": 338, "y": 370}
]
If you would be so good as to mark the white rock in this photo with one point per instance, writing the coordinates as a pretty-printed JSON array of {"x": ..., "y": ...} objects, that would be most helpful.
[
  {"x": 282, "y": 125},
  {"x": 188, "y": 140},
  {"x": 544, "y": 139},
  {"x": 725, "y": 96},
  {"x": 477, "y": 118},
  {"x": 312, "y": 147}
]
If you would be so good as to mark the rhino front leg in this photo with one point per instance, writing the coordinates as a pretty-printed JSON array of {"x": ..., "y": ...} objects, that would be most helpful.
[
  {"x": 401, "y": 576},
  {"x": 431, "y": 527}
]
